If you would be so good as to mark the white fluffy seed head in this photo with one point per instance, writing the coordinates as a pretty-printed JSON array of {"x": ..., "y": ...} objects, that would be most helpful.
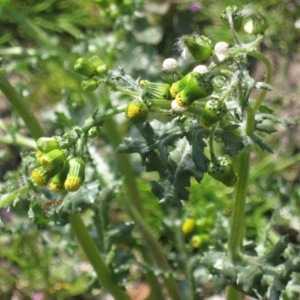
[
  {"x": 170, "y": 65},
  {"x": 177, "y": 108},
  {"x": 201, "y": 69},
  {"x": 221, "y": 49}
]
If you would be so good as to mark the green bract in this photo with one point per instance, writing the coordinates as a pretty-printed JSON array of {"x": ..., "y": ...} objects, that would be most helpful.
[
  {"x": 76, "y": 174},
  {"x": 56, "y": 183},
  {"x": 235, "y": 14},
  {"x": 195, "y": 86},
  {"x": 254, "y": 22},
  {"x": 137, "y": 111},
  {"x": 199, "y": 46},
  {"x": 89, "y": 85},
  {"x": 40, "y": 176},
  {"x": 53, "y": 160},
  {"x": 155, "y": 90},
  {"x": 46, "y": 144},
  {"x": 214, "y": 111},
  {"x": 84, "y": 67}
]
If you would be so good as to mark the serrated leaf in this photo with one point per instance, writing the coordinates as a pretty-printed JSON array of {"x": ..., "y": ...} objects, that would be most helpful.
[
  {"x": 261, "y": 143},
  {"x": 133, "y": 146},
  {"x": 268, "y": 128},
  {"x": 232, "y": 141}
]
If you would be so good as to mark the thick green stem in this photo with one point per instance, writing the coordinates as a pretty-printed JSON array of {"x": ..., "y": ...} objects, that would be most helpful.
[
  {"x": 238, "y": 215},
  {"x": 237, "y": 223},
  {"x": 269, "y": 72},
  {"x": 105, "y": 276},
  {"x": 134, "y": 207}
]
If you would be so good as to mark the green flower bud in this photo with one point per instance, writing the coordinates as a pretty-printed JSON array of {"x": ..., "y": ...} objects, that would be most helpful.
[
  {"x": 199, "y": 46},
  {"x": 89, "y": 85},
  {"x": 84, "y": 67},
  {"x": 198, "y": 86},
  {"x": 214, "y": 111},
  {"x": 236, "y": 17},
  {"x": 40, "y": 176},
  {"x": 179, "y": 85},
  {"x": 95, "y": 61},
  {"x": 199, "y": 240},
  {"x": 222, "y": 170},
  {"x": 102, "y": 69},
  {"x": 46, "y": 144},
  {"x": 99, "y": 65},
  {"x": 137, "y": 111},
  {"x": 254, "y": 22},
  {"x": 53, "y": 160},
  {"x": 38, "y": 154},
  {"x": 155, "y": 90},
  {"x": 76, "y": 174},
  {"x": 56, "y": 183}
]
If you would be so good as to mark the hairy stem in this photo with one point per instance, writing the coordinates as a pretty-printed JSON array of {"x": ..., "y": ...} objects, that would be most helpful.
[
  {"x": 105, "y": 276},
  {"x": 269, "y": 71},
  {"x": 238, "y": 215}
]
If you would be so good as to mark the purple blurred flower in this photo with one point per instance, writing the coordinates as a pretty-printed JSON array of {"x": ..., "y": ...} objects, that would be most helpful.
[
  {"x": 39, "y": 295},
  {"x": 195, "y": 7}
]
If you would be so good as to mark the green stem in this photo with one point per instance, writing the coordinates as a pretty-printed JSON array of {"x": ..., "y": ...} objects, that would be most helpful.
[
  {"x": 134, "y": 207},
  {"x": 105, "y": 276},
  {"x": 12, "y": 96},
  {"x": 9, "y": 198},
  {"x": 269, "y": 71},
  {"x": 238, "y": 215},
  {"x": 17, "y": 140},
  {"x": 211, "y": 143}
]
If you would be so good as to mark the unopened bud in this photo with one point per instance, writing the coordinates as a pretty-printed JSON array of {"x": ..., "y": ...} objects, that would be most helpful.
[
  {"x": 76, "y": 174},
  {"x": 84, "y": 67}
]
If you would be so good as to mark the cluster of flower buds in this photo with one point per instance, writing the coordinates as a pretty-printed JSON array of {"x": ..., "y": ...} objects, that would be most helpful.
[
  {"x": 60, "y": 173},
  {"x": 197, "y": 237},
  {"x": 198, "y": 46},
  {"x": 193, "y": 86},
  {"x": 90, "y": 68},
  {"x": 249, "y": 18}
]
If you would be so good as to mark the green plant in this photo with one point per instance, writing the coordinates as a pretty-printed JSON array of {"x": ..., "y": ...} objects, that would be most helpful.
[{"x": 189, "y": 125}]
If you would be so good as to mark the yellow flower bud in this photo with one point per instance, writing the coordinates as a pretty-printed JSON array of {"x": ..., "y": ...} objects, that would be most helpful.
[
  {"x": 137, "y": 111},
  {"x": 53, "y": 160},
  {"x": 40, "y": 176},
  {"x": 76, "y": 174},
  {"x": 46, "y": 144},
  {"x": 56, "y": 183},
  {"x": 188, "y": 225}
]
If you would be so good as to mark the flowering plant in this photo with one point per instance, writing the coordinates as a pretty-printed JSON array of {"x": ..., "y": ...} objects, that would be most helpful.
[{"x": 205, "y": 121}]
